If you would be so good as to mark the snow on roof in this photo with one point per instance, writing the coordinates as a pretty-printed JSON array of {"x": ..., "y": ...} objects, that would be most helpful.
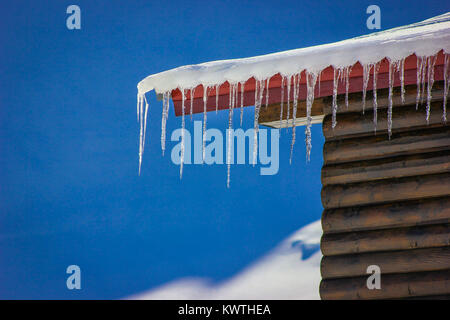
[{"x": 424, "y": 38}]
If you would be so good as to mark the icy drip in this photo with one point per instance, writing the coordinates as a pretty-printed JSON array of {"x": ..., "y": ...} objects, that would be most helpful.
[
  {"x": 418, "y": 79},
  {"x": 294, "y": 111},
  {"x": 217, "y": 98},
  {"x": 205, "y": 97},
  {"x": 267, "y": 92},
  {"x": 347, "y": 71},
  {"x": 430, "y": 79},
  {"x": 446, "y": 87},
  {"x": 334, "y": 106},
  {"x": 183, "y": 98},
  {"x": 232, "y": 100},
  {"x": 311, "y": 79},
  {"x": 320, "y": 75},
  {"x": 392, "y": 66},
  {"x": 283, "y": 80},
  {"x": 192, "y": 101},
  {"x": 242, "y": 100},
  {"x": 141, "y": 129},
  {"x": 165, "y": 115},
  {"x": 401, "y": 70},
  {"x": 288, "y": 84},
  {"x": 424, "y": 74},
  {"x": 366, "y": 76},
  {"x": 376, "y": 68},
  {"x": 259, "y": 89}
]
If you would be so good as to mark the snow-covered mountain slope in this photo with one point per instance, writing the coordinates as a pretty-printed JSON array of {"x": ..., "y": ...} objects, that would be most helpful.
[{"x": 290, "y": 271}]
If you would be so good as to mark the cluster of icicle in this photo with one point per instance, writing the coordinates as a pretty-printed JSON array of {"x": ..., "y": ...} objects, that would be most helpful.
[{"x": 425, "y": 75}]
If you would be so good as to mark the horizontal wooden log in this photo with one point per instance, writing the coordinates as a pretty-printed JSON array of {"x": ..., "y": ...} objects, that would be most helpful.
[
  {"x": 393, "y": 286},
  {"x": 384, "y": 216},
  {"x": 380, "y": 146},
  {"x": 417, "y": 260},
  {"x": 355, "y": 99},
  {"x": 388, "y": 168},
  {"x": 385, "y": 240},
  {"x": 272, "y": 112},
  {"x": 383, "y": 191},
  {"x": 358, "y": 124}
]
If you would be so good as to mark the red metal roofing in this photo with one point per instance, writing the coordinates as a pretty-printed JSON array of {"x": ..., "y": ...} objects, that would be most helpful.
[{"x": 326, "y": 86}]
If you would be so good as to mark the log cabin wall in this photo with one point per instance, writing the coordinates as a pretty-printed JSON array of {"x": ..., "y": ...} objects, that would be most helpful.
[{"x": 386, "y": 201}]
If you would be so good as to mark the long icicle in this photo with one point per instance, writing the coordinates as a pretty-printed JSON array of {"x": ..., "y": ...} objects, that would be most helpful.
[
  {"x": 217, "y": 97},
  {"x": 424, "y": 70},
  {"x": 205, "y": 97},
  {"x": 230, "y": 126},
  {"x": 311, "y": 79},
  {"x": 401, "y": 68},
  {"x": 141, "y": 129},
  {"x": 294, "y": 111},
  {"x": 418, "y": 80},
  {"x": 192, "y": 102},
  {"x": 392, "y": 66},
  {"x": 283, "y": 80},
  {"x": 242, "y": 100},
  {"x": 334, "y": 106},
  {"x": 267, "y": 92},
  {"x": 376, "y": 68},
  {"x": 288, "y": 99},
  {"x": 165, "y": 115},
  {"x": 446, "y": 86},
  {"x": 255, "y": 124},
  {"x": 366, "y": 77},
  {"x": 347, "y": 71},
  {"x": 430, "y": 80},
  {"x": 183, "y": 98}
]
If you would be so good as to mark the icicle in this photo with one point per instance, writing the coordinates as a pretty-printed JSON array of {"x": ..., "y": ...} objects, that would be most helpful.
[
  {"x": 347, "y": 71},
  {"x": 288, "y": 99},
  {"x": 376, "y": 68},
  {"x": 424, "y": 70},
  {"x": 311, "y": 79},
  {"x": 259, "y": 89},
  {"x": 366, "y": 76},
  {"x": 205, "y": 97},
  {"x": 217, "y": 98},
  {"x": 141, "y": 130},
  {"x": 165, "y": 115},
  {"x": 137, "y": 106},
  {"x": 242, "y": 100},
  {"x": 233, "y": 89},
  {"x": 446, "y": 87},
  {"x": 183, "y": 98},
  {"x": 283, "y": 79},
  {"x": 267, "y": 92},
  {"x": 334, "y": 106},
  {"x": 320, "y": 75},
  {"x": 294, "y": 111},
  {"x": 192, "y": 101},
  {"x": 418, "y": 80},
  {"x": 430, "y": 80},
  {"x": 392, "y": 65},
  {"x": 401, "y": 69}
]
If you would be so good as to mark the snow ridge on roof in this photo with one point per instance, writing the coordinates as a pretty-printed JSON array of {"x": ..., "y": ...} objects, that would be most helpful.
[{"x": 424, "y": 38}]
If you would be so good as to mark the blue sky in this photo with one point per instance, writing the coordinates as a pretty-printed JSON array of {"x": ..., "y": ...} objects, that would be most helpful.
[{"x": 70, "y": 192}]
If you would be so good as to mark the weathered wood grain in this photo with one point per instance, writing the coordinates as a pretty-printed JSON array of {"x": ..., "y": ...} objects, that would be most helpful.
[
  {"x": 355, "y": 99},
  {"x": 383, "y": 191},
  {"x": 388, "y": 168},
  {"x": 384, "y": 216},
  {"x": 392, "y": 286},
  {"x": 416, "y": 260},
  {"x": 380, "y": 146},
  {"x": 354, "y": 124},
  {"x": 429, "y": 236}
]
